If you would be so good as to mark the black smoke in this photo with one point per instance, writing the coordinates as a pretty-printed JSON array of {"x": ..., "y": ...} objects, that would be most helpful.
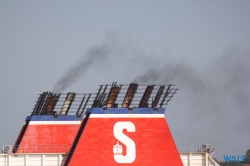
[
  {"x": 212, "y": 105},
  {"x": 214, "y": 101},
  {"x": 97, "y": 53}
]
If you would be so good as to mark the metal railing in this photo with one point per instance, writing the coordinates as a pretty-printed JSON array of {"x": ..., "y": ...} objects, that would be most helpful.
[
  {"x": 194, "y": 147},
  {"x": 108, "y": 96},
  {"x": 64, "y": 148},
  {"x": 29, "y": 148}
]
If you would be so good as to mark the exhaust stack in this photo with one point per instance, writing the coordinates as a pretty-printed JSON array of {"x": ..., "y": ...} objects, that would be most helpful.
[
  {"x": 67, "y": 103},
  {"x": 129, "y": 95},
  {"x": 114, "y": 92},
  {"x": 158, "y": 96},
  {"x": 52, "y": 103},
  {"x": 145, "y": 97}
]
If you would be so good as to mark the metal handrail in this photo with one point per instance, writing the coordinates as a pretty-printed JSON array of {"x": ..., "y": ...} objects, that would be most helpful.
[
  {"x": 191, "y": 147},
  {"x": 49, "y": 103},
  {"x": 55, "y": 148},
  {"x": 41, "y": 148}
]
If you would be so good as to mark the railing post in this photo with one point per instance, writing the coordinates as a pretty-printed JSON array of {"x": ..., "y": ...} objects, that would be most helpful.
[
  {"x": 189, "y": 159},
  {"x": 206, "y": 160},
  {"x": 26, "y": 163},
  {"x": 43, "y": 160},
  {"x": 9, "y": 160},
  {"x": 59, "y": 160}
]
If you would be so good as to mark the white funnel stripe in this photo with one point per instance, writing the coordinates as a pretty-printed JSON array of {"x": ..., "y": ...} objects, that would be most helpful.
[
  {"x": 127, "y": 116},
  {"x": 54, "y": 122}
]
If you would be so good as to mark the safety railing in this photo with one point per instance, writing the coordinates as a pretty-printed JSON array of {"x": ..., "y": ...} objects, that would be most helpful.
[
  {"x": 108, "y": 96},
  {"x": 29, "y": 148},
  {"x": 194, "y": 147}
]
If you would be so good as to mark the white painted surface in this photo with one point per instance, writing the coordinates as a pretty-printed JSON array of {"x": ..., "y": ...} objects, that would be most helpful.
[
  {"x": 56, "y": 159},
  {"x": 127, "y": 116},
  {"x": 25, "y": 159},
  {"x": 197, "y": 159}
]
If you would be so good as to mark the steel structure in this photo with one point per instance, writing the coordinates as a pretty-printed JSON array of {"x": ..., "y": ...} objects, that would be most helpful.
[
  {"x": 122, "y": 95},
  {"x": 120, "y": 124}
]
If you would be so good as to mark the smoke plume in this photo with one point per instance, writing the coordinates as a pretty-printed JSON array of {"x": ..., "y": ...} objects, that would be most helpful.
[
  {"x": 212, "y": 105},
  {"x": 95, "y": 54},
  {"x": 213, "y": 101}
]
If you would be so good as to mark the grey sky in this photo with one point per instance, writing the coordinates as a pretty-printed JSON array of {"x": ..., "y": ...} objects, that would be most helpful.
[{"x": 201, "y": 46}]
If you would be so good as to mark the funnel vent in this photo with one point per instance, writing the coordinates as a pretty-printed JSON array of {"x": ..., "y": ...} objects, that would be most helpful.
[{"x": 67, "y": 103}]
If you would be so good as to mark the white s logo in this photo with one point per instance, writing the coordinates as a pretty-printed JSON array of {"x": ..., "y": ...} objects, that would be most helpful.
[{"x": 129, "y": 143}]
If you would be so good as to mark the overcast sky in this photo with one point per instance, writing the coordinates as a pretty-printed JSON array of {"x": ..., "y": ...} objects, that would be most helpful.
[{"x": 201, "y": 46}]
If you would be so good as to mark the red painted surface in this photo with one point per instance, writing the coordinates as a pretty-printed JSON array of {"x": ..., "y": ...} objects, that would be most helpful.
[
  {"x": 153, "y": 140},
  {"x": 19, "y": 135},
  {"x": 48, "y": 138}
]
